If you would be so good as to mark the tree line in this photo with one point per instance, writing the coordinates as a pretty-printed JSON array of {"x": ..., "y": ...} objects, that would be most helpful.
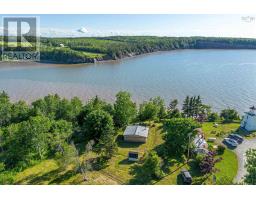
[{"x": 90, "y": 49}]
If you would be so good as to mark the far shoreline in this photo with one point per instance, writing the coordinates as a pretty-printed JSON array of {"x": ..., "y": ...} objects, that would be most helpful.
[{"x": 49, "y": 62}]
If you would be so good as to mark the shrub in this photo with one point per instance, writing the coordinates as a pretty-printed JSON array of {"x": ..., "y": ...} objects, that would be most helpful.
[
  {"x": 199, "y": 180},
  {"x": 213, "y": 132},
  {"x": 229, "y": 115},
  {"x": 210, "y": 147},
  {"x": 207, "y": 166},
  {"x": 6, "y": 178},
  {"x": 2, "y": 166},
  {"x": 198, "y": 159},
  {"x": 213, "y": 117},
  {"x": 149, "y": 170},
  {"x": 220, "y": 134},
  {"x": 220, "y": 149}
]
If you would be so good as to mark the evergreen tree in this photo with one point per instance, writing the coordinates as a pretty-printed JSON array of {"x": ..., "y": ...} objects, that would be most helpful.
[
  {"x": 185, "y": 107},
  {"x": 173, "y": 105},
  {"x": 198, "y": 105}
]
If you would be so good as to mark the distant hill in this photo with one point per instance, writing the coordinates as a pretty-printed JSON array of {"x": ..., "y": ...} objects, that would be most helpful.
[{"x": 93, "y": 49}]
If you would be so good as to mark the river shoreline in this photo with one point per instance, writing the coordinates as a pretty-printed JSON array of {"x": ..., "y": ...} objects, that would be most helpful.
[{"x": 102, "y": 61}]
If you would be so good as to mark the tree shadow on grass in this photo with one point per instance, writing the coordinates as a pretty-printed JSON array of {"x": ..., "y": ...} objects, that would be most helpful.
[
  {"x": 168, "y": 161},
  {"x": 61, "y": 178},
  {"x": 26, "y": 180},
  {"x": 99, "y": 163},
  {"x": 123, "y": 144},
  {"x": 198, "y": 177},
  {"x": 37, "y": 180},
  {"x": 126, "y": 161},
  {"x": 194, "y": 169},
  {"x": 179, "y": 180},
  {"x": 140, "y": 178},
  {"x": 54, "y": 177}
]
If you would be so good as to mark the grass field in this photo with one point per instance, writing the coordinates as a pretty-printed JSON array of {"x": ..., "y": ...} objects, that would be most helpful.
[
  {"x": 14, "y": 44},
  {"x": 221, "y": 130},
  {"x": 118, "y": 168}
]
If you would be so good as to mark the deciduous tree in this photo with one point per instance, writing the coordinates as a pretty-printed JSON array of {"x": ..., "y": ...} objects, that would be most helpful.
[
  {"x": 229, "y": 115},
  {"x": 125, "y": 109},
  {"x": 178, "y": 131},
  {"x": 250, "y": 177}
]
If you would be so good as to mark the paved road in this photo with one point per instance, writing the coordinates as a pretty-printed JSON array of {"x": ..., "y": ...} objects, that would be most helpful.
[{"x": 240, "y": 152}]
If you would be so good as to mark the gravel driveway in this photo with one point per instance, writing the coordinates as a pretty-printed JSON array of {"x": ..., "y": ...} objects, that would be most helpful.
[{"x": 240, "y": 152}]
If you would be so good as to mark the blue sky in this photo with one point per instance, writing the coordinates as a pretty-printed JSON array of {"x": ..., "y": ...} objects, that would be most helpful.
[{"x": 160, "y": 25}]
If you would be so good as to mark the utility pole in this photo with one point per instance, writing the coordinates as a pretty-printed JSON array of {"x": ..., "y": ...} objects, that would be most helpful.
[{"x": 189, "y": 136}]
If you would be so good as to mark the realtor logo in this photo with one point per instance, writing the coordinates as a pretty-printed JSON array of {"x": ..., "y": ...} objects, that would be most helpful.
[{"x": 21, "y": 39}]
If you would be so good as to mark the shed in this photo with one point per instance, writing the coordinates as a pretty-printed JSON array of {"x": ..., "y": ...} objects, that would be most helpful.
[
  {"x": 136, "y": 133},
  {"x": 133, "y": 156}
]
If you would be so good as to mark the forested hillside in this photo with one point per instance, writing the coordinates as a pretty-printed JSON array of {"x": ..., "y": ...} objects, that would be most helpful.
[{"x": 92, "y": 49}]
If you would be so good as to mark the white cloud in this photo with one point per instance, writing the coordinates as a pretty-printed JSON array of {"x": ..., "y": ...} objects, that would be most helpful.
[{"x": 82, "y": 30}]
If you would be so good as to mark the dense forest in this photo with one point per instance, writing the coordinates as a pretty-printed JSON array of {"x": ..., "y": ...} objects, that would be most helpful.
[{"x": 92, "y": 49}]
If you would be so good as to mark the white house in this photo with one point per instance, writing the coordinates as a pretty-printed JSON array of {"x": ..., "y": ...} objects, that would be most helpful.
[
  {"x": 136, "y": 133},
  {"x": 249, "y": 120},
  {"x": 200, "y": 142}
]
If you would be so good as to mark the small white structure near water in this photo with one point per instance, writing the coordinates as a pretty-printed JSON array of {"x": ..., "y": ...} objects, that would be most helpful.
[
  {"x": 136, "y": 133},
  {"x": 249, "y": 121}
]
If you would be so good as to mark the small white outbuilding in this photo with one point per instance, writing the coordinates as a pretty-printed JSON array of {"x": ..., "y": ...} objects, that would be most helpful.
[
  {"x": 136, "y": 133},
  {"x": 249, "y": 120}
]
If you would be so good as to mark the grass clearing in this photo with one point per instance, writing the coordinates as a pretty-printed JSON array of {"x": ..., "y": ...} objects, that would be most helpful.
[
  {"x": 116, "y": 172},
  {"x": 221, "y": 130}
]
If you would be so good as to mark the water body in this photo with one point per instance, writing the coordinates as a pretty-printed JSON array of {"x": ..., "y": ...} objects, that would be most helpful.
[{"x": 223, "y": 78}]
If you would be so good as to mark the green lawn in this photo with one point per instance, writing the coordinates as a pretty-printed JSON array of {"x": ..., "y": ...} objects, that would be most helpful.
[
  {"x": 229, "y": 164},
  {"x": 221, "y": 130},
  {"x": 227, "y": 167},
  {"x": 93, "y": 55},
  {"x": 118, "y": 168},
  {"x": 14, "y": 44}
]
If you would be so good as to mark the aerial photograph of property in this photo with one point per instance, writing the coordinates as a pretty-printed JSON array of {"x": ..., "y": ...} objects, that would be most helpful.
[{"x": 118, "y": 99}]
